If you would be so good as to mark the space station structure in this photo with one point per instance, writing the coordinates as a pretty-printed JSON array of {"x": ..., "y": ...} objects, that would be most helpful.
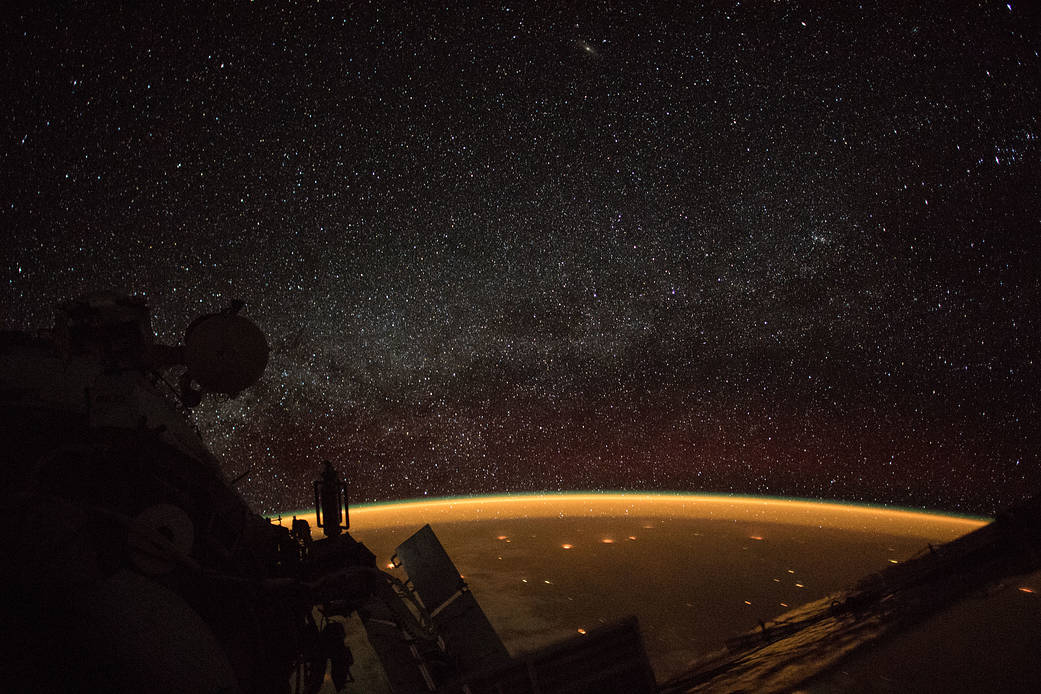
[{"x": 135, "y": 565}]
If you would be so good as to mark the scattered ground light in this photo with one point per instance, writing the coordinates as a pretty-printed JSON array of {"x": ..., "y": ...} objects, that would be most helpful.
[
  {"x": 747, "y": 602},
  {"x": 390, "y": 565},
  {"x": 784, "y": 604},
  {"x": 799, "y": 585},
  {"x": 548, "y": 583},
  {"x": 791, "y": 571},
  {"x": 502, "y": 537},
  {"x": 756, "y": 537},
  {"x": 524, "y": 580},
  {"x": 777, "y": 580},
  {"x": 582, "y": 631},
  {"x": 632, "y": 537},
  {"x": 893, "y": 561},
  {"x": 1024, "y": 589},
  {"x": 607, "y": 541},
  {"x": 567, "y": 546}
]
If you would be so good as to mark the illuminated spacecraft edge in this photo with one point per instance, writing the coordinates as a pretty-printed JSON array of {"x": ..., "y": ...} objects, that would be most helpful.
[{"x": 807, "y": 643}]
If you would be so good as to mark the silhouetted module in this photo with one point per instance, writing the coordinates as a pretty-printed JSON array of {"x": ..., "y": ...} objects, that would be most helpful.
[{"x": 135, "y": 565}]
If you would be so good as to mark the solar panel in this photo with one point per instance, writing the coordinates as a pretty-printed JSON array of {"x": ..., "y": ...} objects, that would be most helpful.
[{"x": 468, "y": 635}]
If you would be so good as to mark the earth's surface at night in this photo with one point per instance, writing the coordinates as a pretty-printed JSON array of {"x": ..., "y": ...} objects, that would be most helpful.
[{"x": 695, "y": 569}]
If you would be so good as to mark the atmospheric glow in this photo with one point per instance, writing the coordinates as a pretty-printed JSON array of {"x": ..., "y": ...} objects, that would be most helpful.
[{"x": 661, "y": 506}]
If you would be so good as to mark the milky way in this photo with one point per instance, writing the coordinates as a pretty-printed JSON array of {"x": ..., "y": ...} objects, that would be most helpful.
[{"x": 739, "y": 247}]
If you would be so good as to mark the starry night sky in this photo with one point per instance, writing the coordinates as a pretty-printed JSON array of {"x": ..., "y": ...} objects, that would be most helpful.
[{"x": 771, "y": 248}]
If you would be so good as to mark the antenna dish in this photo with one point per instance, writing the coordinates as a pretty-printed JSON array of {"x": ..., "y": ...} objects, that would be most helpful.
[{"x": 225, "y": 353}]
